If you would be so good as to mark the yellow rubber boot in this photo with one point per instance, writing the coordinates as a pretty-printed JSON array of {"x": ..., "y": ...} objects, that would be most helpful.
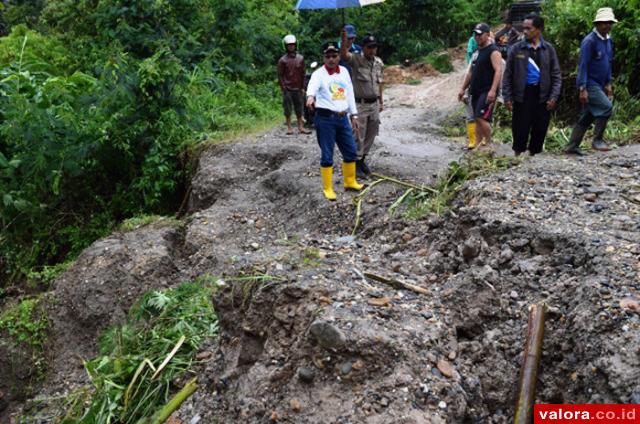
[
  {"x": 471, "y": 131},
  {"x": 349, "y": 174},
  {"x": 327, "y": 182}
]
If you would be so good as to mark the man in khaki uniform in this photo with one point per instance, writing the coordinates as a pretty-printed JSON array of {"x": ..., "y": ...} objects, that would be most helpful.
[{"x": 367, "y": 77}]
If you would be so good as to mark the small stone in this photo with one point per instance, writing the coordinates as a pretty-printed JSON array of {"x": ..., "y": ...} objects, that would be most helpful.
[
  {"x": 427, "y": 315},
  {"x": 452, "y": 355},
  {"x": 306, "y": 374},
  {"x": 591, "y": 197},
  {"x": 345, "y": 240},
  {"x": 295, "y": 404},
  {"x": 630, "y": 304},
  {"x": 380, "y": 302},
  {"x": 422, "y": 252},
  {"x": 346, "y": 368},
  {"x": 358, "y": 365},
  {"x": 397, "y": 267},
  {"x": 506, "y": 255},
  {"x": 513, "y": 294},
  {"x": 201, "y": 356},
  {"x": 407, "y": 237},
  {"x": 274, "y": 416},
  {"x": 442, "y": 404},
  {"x": 327, "y": 335},
  {"x": 255, "y": 246},
  {"x": 445, "y": 368}
]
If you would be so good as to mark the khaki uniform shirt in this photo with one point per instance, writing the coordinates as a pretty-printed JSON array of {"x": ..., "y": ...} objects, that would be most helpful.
[{"x": 367, "y": 75}]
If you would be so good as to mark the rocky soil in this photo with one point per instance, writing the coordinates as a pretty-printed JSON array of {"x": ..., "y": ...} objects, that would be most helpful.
[{"x": 322, "y": 343}]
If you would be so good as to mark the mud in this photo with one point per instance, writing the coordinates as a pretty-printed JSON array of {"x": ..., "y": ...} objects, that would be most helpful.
[{"x": 321, "y": 343}]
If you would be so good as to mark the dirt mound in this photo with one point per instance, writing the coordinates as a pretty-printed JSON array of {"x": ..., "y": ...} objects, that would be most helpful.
[
  {"x": 326, "y": 345},
  {"x": 396, "y": 74}
]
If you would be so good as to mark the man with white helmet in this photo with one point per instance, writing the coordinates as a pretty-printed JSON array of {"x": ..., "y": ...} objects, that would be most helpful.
[
  {"x": 594, "y": 83},
  {"x": 291, "y": 73}
]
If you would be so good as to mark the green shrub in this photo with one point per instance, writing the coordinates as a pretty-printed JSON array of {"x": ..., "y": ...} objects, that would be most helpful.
[
  {"x": 27, "y": 324},
  {"x": 86, "y": 143},
  {"x": 135, "y": 373},
  {"x": 441, "y": 62}
]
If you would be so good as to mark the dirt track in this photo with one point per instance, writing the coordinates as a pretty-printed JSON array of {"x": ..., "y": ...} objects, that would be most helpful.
[{"x": 325, "y": 344}]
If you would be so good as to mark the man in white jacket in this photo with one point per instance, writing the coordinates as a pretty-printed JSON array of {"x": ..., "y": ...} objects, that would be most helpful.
[{"x": 330, "y": 93}]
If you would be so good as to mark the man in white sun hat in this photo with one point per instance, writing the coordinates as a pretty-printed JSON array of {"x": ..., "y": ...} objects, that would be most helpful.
[{"x": 594, "y": 83}]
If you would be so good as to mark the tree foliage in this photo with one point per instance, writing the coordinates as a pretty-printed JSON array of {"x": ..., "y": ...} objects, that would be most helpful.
[{"x": 100, "y": 106}]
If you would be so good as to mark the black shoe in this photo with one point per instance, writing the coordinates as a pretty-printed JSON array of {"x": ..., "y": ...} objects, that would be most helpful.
[
  {"x": 365, "y": 168},
  {"x": 359, "y": 170},
  {"x": 600, "y": 145},
  {"x": 575, "y": 151}
]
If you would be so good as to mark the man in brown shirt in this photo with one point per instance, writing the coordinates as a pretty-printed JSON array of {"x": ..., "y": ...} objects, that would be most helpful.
[
  {"x": 291, "y": 77},
  {"x": 367, "y": 77}
]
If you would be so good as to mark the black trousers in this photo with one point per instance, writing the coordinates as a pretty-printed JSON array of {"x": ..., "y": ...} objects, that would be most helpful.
[{"x": 530, "y": 119}]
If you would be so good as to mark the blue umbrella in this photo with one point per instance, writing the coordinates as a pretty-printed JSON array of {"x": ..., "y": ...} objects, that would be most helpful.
[{"x": 333, "y": 4}]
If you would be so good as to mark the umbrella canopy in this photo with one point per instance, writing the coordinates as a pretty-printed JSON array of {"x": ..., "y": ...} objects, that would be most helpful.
[{"x": 333, "y": 4}]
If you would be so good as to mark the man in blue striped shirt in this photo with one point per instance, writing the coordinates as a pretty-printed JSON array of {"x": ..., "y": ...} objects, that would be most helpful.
[{"x": 594, "y": 83}]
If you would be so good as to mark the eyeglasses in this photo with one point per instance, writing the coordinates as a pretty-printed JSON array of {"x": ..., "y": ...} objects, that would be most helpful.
[
  {"x": 475, "y": 34},
  {"x": 330, "y": 56}
]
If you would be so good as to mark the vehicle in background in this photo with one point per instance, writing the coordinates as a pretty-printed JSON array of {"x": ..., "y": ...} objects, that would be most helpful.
[{"x": 520, "y": 9}]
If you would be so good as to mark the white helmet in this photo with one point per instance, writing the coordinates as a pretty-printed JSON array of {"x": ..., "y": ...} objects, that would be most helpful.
[{"x": 289, "y": 39}]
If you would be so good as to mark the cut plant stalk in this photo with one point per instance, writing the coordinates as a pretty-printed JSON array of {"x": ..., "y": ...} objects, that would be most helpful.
[
  {"x": 531, "y": 362},
  {"x": 381, "y": 179},
  {"x": 166, "y": 411},
  {"x": 396, "y": 283}
]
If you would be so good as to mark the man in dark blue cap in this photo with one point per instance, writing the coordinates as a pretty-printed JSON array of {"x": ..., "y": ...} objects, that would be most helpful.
[{"x": 355, "y": 49}]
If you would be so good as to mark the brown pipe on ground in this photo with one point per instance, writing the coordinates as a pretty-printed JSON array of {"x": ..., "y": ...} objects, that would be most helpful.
[{"x": 530, "y": 364}]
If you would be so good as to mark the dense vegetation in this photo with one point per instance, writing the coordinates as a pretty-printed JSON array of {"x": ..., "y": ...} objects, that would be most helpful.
[{"x": 102, "y": 103}]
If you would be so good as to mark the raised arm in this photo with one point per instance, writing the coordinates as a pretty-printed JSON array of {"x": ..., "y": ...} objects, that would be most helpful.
[{"x": 345, "y": 45}]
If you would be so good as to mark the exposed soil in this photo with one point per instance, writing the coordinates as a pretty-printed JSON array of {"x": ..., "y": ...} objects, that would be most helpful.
[{"x": 324, "y": 344}]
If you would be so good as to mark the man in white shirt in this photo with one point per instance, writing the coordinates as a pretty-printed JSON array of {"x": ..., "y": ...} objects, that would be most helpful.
[{"x": 330, "y": 93}]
